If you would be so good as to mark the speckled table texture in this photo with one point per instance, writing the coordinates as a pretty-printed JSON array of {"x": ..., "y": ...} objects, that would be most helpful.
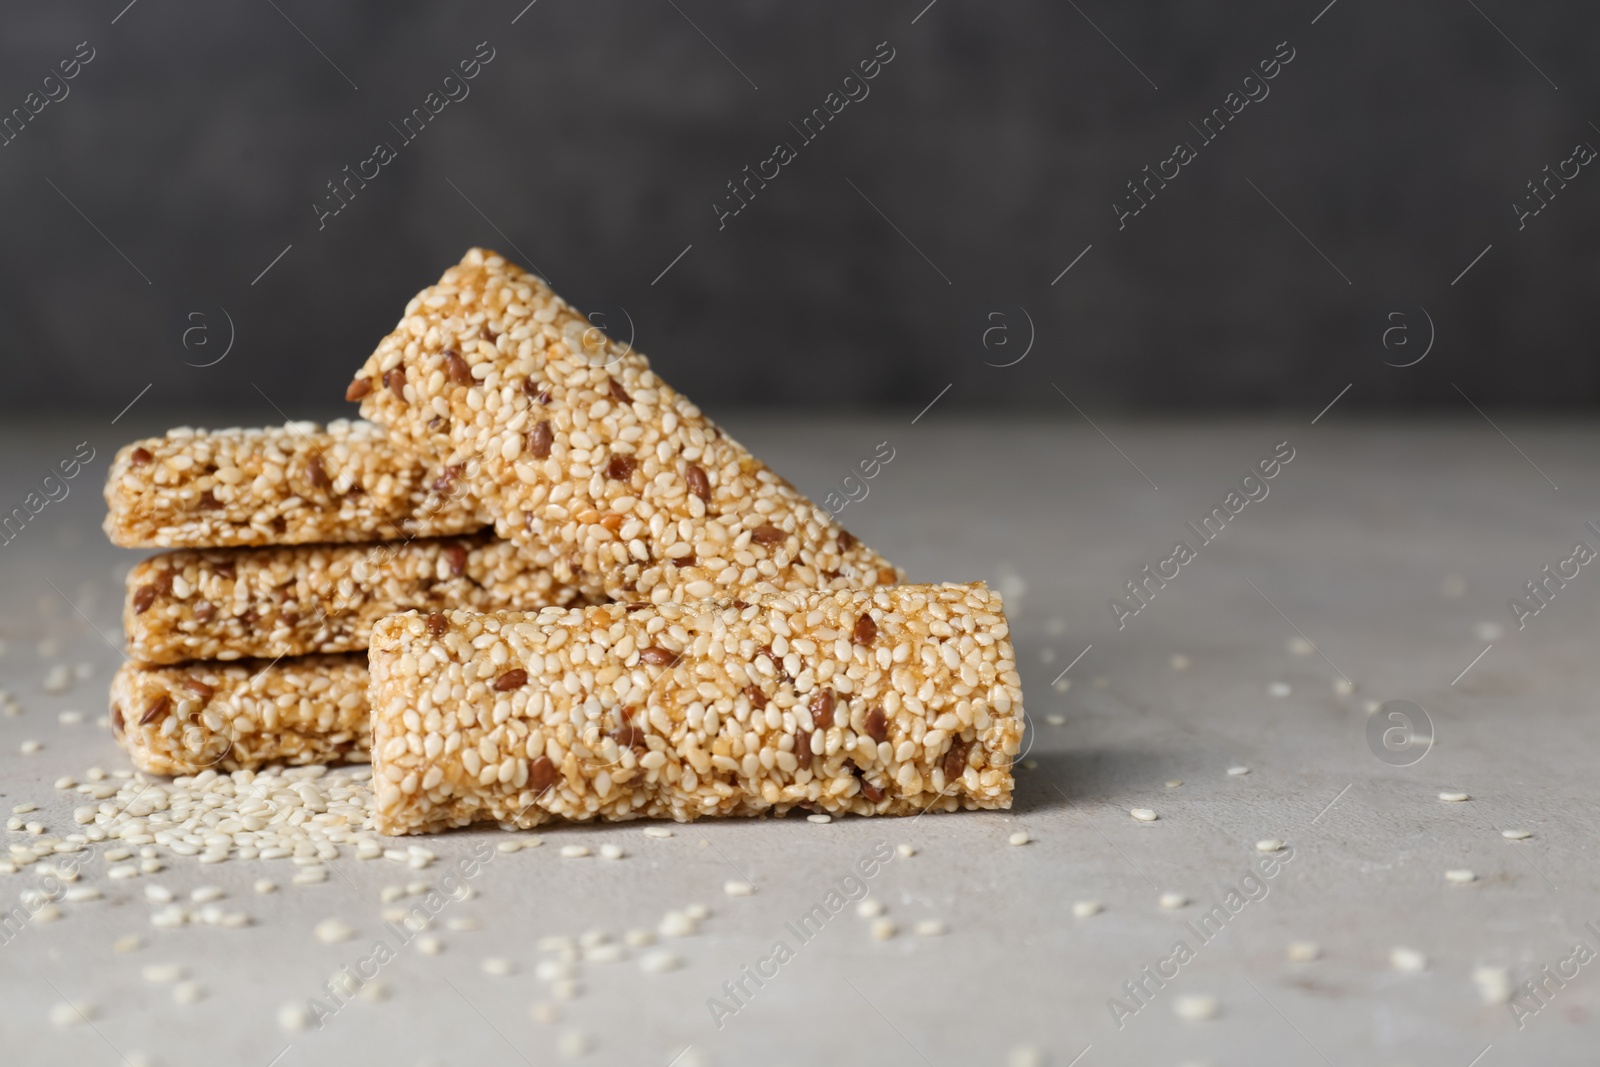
[{"x": 1383, "y": 557}]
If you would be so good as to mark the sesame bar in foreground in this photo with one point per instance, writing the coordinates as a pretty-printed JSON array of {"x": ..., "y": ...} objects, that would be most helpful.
[
  {"x": 232, "y": 603},
  {"x": 286, "y": 485},
  {"x": 234, "y": 716},
  {"x": 571, "y": 441},
  {"x": 891, "y": 701}
]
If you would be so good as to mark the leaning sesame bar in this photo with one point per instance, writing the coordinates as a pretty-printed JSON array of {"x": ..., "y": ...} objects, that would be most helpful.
[
  {"x": 231, "y": 603},
  {"x": 286, "y": 485},
  {"x": 571, "y": 441},
  {"x": 180, "y": 720},
  {"x": 891, "y": 701}
]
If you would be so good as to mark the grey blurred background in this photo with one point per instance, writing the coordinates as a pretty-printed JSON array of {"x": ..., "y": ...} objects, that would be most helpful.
[{"x": 163, "y": 204}]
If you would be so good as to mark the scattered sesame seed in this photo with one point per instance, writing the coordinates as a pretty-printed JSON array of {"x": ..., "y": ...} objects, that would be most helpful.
[
  {"x": 1303, "y": 951},
  {"x": 206, "y": 894},
  {"x": 1179, "y": 662},
  {"x": 462, "y": 923},
  {"x": 429, "y": 945},
  {"x": 1279, "y": 689},
  {"x": 1063, "y": 685},
  {"x": 1056, "y": 720},
  {"x": 1143, "y": 814},
  {"x": 1196, "y": 1007},
  {"x": 1173, "y": 901},
  {"x": 697, "y": 912},
  {"x": 639, "y": 938},
  {"x": 1407, "y": 959},
  {"x": 819, "y": 818},
  {"x": 567, "y": 989},
  {"x": 70, "y": 718},
  {"x": 573, "y": 852},
  {"x": 1238, "y": 772},
  {"x": 573, "y": 1044},
  {"x": 738, "y": 889},
  {"x": 882, "y": 930},
  {"x": 374, "y": 992},
  {"x": 1299, "y": 646},
  {"x": 65, "y": 783},
  {"x": 129, "y": 943},
  {"x": 266, "y": 885},
  {"x": 333, "y": 931},
  {"x": 660, "y": 962},
  {"x": 1453, "y": 798},
  {"x": 22, "y": 809},
  {"x": 1516, "y": 835},
  {"x": 48, "y": 913},
  {"x": 1494, "y": 984},
  {"x": 1019, "y": 838},
  {"x": 1173, "y": 783},
  {"x": 1270, "y": 844},
  {"x": 28, "y": 748},
  {"x": 65, "y": 1015},
  {"x": 294, "y": 1018},
  {"x": 310, "y": 876},
  {"x": 1086, "y": 909},
  {"x": 931, "y": 928},
  {"x": 1460, "y": 876},
  {"x": 611, "y": 852},
  {"x": 1025, "y": 1056},
  {"x": 905, "y": 851},
  {"x": 545, "y": 1013},
  {"x": 188, "y": 993},
  {"x": 1343, "y": 687},
  {"x": 676, "y": 924},
  {"x": 498, "y": 966},
  {"x": 870, "y": 908},
  {"x": 657, "y": 831}
]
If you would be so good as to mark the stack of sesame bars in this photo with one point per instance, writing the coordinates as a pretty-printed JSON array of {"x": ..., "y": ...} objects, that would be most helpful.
[{"x": 539, "y": 584}]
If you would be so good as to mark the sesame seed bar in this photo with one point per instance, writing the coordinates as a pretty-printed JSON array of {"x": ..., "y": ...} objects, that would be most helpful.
[
  {"x": 235, "y": 716},
  {"x": 232, "y": 603},
  {"x": 286, "y": 485},
  {"x": 891, "y": 701},
  {"x": 571, "y": 441}
]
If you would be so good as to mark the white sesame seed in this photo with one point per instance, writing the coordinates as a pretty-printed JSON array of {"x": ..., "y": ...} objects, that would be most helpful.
[
  {"x": 1179, "y": 662},
  {"x": 129, "y": 943},
  {"x": 738, "y": 889},
  {"x": 819, "y": 818},
  {"x": 1453, "y": 798},
  {"x": 1303, "y": 951},
  {"x": 882, "y": 930},
  {"x": 1279, "y": 689},
  {"x": 1494, "y": 984},
  {"x": 1019, "y": 838},
  {"x": 70, "y": 718},
  {"x": 188, "y": 992},
  {"x": 1056, "y": 720},
  {"x": 206, "y": 894},
  {"x": 1270, "y": 844},
  {"x": 1408, "y": 960},
  {"x": 1173, "y": 783},
  {"x": 28, "y": 748},
  {"x": 1460, "y": 876},
  {"x": 1238, "y": 771},
  {"x": 870, "y": 908},
  {"x": 660, "y": 961},
  {"x": 1172, "y": 901},
  {"x": 374, "y": 992},
  {"x": 22, "y": 809},
  {"x": 931, "y": 928},
  {"x": 266, "y": 885},
  {"x": 158, "y": 894},
  {"x": 573, "y": 852},
  {"x": 429, "y": 945},
  {"x": 546, "y": 1013},
  {"x": 657, "y": 831},
  {"x": 639, "y": 938},
  {"x": 498, "y": 966},
  {"x": 1196, "y": 1007},
  {"x": 1516, "y": 835},
  {"x": 611, "y": 852},
  {"x": 79, "y": 894},
  {"x": 905, "y": 851},
  {"x": 333, "y": 931},
  {"x": 1086, "y": 909},
  {"x": 65, "y": 783},
  {"x": 1143, "y": 814},
  {"x": 48, "y": 913},
  {"x": 697, "y": 912},
  {"x": 294, "y": 1018},
  {"x": 573, "y": 1044},
  {"x": 1025, "y": 1056},
  {"x": 310, "y": 876},
  {"x": 676, "y": 924},
  {"x": 1343, "y": 687},
  {"x": 566, "y": 989},
  {"x": 65, "y": 1015}
]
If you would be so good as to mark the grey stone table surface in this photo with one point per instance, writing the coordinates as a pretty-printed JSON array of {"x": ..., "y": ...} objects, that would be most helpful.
[{"x": 1380, "y": 566}]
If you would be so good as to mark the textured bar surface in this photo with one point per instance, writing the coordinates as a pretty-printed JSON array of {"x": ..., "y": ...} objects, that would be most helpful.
[
  {"x": 889, "y": 702},
  {"x": 286, "y": 485},
  {"x": 182, "y": 720},
  {"x": 232, "y": 603},
  {"x": 571, "y": 441}
]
